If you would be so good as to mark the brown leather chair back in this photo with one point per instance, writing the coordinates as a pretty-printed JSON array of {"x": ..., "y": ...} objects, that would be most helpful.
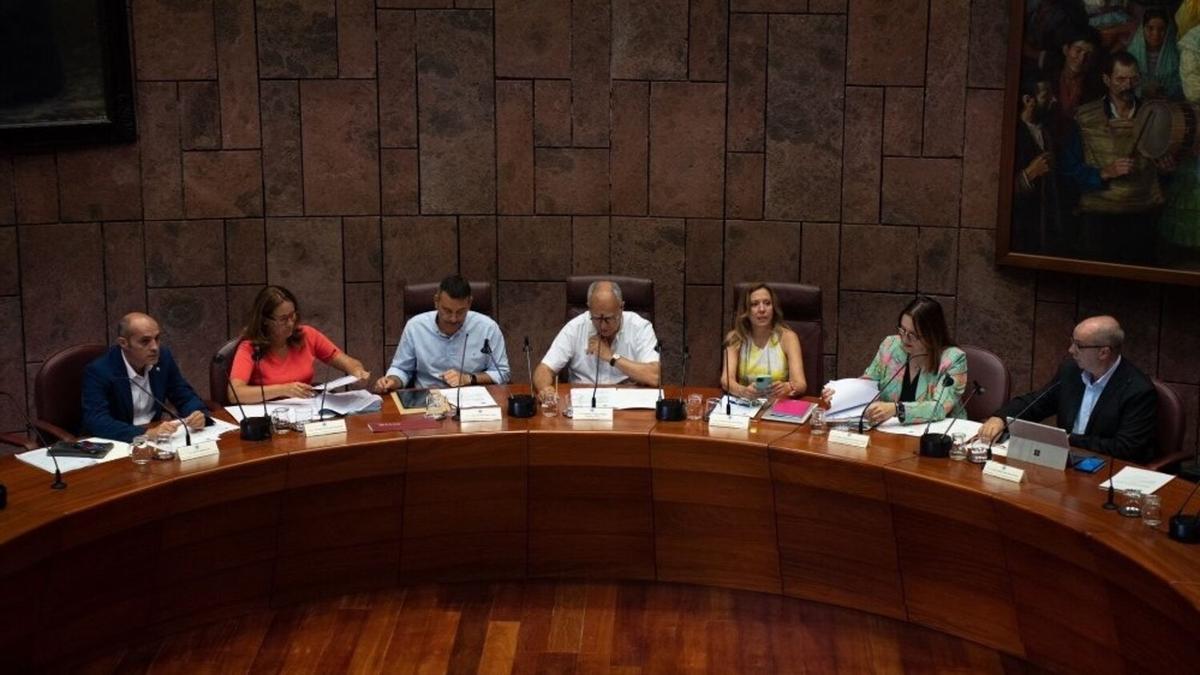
[
  {"x": 418, "y": 298},
  {"x": 1172, "y": 420},
  {"x": 58, "y": 386},
  {"x": 990, "y": 372},
  {"x": 801, "y": 305},
  {"x": 218, "y": 372},
  {"x": 637, "y": 292}
]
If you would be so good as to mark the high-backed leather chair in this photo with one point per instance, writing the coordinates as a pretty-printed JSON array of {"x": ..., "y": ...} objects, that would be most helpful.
[
  {"x": 218, "y": 373},
  {"x": 418, "y": 298},
  {"x": 637, "y": 292},
  {"x": 801, "y": 306},
  {"x": 990, "y": 372},
  {"x": 58, "y": 390},
  {"x": 1172, "y": 423}
]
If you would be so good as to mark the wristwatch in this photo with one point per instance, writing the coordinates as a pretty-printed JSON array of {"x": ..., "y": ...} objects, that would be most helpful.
[
  {"x": 900, "y": 412},
  {"x": 474, "y": 378},
  {"x": 613, "y": 361}
]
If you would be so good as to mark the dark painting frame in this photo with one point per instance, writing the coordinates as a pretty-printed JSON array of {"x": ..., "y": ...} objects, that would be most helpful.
[
  {"x": 118, "y": 122},
  {"x": 1154, "y": 271}
]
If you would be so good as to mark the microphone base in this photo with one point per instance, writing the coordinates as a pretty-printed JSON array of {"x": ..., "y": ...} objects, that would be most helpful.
[
  {"x": 3, "y": 496},
  {"x": 936, "y": 445},
  {"x": 58, "y": 484},
  {"x": 670, "y": 410},
  {"x": 522, "y": 406},
  {"x": 1184, "y": 529},
  {"x": 255, "y": 428}
]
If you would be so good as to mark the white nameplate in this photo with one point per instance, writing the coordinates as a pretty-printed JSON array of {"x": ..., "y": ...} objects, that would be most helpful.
[
  {"x": 325, "y": 428},
  {"x": 205, "y": 449},
  {"x": 590, "y": 414},
  {"x": 843, "y": 437},
  {"x": 1003, "y": 471},
  {"x": 723, "y": 421},
  {"x": 491, "y": 414}
]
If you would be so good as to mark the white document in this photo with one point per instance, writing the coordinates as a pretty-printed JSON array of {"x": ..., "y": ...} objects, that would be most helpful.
[
  {"x": 963, "y": 426},
  {"x": 617, "y": 398},
  {"x": 334, "y": 384},
  {"x": 1133, "y": 478},
  {"x": 38, "y": 458},
  {"x": 850, "y": 396},
  {"x": 210, "y": 433},
  {"x": 341, "y": 403},
  {"x": 476, "y": 396}
]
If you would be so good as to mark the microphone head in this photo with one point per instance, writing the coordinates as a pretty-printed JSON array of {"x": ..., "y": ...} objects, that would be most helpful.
[
  {"x": 948, "y": 381},
  {"x": 658, "y": 346},
  {"x": 487, "y": 347}
]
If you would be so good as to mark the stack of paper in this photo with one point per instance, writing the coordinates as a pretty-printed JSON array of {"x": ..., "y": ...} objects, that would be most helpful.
[
  {"x": 740, "y": 407},
  {"x": 472, "y": 397},
  {"x": 342, "y": 403},
  {"x": 850, "y": 396},
  {"x": 41, "y": 460},
  {"x": 1133, "y": 478}
]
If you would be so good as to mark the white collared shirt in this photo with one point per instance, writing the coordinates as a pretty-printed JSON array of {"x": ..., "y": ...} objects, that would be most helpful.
[
  {"x": 143, "y": 403},
  {"x": 1091, "y": 393},
  {"x": 635, "y": 341}
]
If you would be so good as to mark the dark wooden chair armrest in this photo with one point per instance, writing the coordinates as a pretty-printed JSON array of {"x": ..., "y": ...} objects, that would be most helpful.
[
  {"x": 1168, "y": 461},
  {"x": 18, "y": 440},
  {"x": 55, "y": 433}
]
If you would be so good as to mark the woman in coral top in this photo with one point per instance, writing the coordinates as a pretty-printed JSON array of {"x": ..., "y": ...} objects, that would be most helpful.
[{"x": 284, "y": 350}]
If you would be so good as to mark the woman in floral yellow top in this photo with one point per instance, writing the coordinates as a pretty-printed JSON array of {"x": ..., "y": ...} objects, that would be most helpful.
[{"x": 912, "y": 368}]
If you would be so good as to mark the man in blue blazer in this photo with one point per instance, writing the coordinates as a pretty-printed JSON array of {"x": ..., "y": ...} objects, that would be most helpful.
[
  {"x": 1103, "y": 401},
  {"x": 121, "y": 388}
]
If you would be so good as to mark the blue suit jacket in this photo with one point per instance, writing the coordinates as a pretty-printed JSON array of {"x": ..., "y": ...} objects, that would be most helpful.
[{"x": 108, "y": 402}]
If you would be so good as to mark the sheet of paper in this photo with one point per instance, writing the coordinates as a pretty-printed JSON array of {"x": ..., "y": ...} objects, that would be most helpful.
[
  {"x": 209, "y": 433},
  {"x": 38, "y": 458},
  {"x": 341, "y": 403},
  {"x": 963, "y": 426},
  {"x": 472, "y": 397},
  {"x": 617, "y": 398},
  {"x": 334, "y": 384},
  {"x": 850, "y": 393},
  {"x": 741, "y": 407},
  {"x": 1133, "y": 478}
]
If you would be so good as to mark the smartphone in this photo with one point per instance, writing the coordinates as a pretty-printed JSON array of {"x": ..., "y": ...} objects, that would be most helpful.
[
  {"x": 762, "y": 383},
  {"x": 1089, "y": 464}
]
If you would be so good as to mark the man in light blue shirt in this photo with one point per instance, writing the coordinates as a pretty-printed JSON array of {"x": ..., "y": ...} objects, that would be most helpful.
[{"x": 431, "y": 348}]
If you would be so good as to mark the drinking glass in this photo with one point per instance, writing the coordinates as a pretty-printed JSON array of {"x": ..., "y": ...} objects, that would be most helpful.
[
  {"x": 695, "y": 406},
  {"x": 281, "y": 421},
  {"x": 1129, "y": 503},
  {"x": 958, "y": 451},
  {"x": 816, "y": 422},
  {"x": 1152, "y": 510},
  {"x": 140, "y": 451},
  {"x": 977, "y": 452},
  {"x": 162, "y": 444},
  {"x": 550, "y": 404}
]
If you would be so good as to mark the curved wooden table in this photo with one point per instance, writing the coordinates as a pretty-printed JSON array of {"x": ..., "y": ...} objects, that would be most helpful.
[{"x": 1038, "y": 570}]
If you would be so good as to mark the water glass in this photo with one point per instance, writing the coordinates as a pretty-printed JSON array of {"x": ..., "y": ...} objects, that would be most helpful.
[
  {"x": 140, "y": 450},
  {"x": 695, "y": 406},
  {"x": 281, "y": 421},
  {"x": 302, "y": 416},
  {"x": 977, "y": 452},
  {"x": 816, "y": 422},
  {"x": 710, "y": 405},
  {"x": 550, "y": 404},
  {"x": 1152, "y": 510},
  {"x": 1129, "y": 503},
  {"x": 958, "y": 451},
  {"x": 161, "y": 442}
]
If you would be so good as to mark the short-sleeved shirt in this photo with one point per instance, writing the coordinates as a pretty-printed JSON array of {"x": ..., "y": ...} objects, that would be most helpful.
[
  {"x": 427, "y": 352},
  {"x": 297, "y": 366},
  {"x": 635, "y": 341}
]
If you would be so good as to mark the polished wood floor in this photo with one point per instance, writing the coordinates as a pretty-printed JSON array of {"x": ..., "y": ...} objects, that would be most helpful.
[{"x": 557, "y": 627}]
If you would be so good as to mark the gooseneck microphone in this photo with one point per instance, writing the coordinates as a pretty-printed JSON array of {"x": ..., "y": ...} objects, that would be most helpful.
[
  {"x": 1037, "y": 398},
  {"x": 596, "y": 378},
  {"x": 256, "y": 428},
  {"x": 187, "y": 434},
  {"x": 58, "y": 483},
  {"x": 976, "y": 388},
  {"x": 1181, "y": 528},
  {"x": 727, "y": 374},
  {"x": 462, "y": 363},
  {"x": 522, "y": 405},
  {"x": 667, "y": 409},
  {"x": 863, "y": 415},
  {"x": 937, "y": 445},
  {"x": 1110, "y": 504}
]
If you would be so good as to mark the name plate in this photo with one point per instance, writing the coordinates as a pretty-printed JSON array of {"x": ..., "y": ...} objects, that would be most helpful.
[
  {"x": 842, "y": 437},
  {"x": 491, "y": 414},
  {"x": 589, "y": 414},
  {"x": 324, "y": 428},
  {"x": 1003, "y": 471},
  {"x": 198, "y": 450},
  {"x": 723, "y": 421}
]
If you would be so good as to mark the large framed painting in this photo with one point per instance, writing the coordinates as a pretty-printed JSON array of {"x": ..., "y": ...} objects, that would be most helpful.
[
  {"x": 1100, "y": 168},
  {"x": 65, "y": 73}
]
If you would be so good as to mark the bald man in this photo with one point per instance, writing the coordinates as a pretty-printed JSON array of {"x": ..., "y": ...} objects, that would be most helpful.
[
  {"x": 623, "y": 341},
  {"x": 116, "y": 404},
  {"x": 1103, "y": 401}
]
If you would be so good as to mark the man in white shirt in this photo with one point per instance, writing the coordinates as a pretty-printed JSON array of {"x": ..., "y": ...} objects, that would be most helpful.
[{"x": 623, "y": 343}]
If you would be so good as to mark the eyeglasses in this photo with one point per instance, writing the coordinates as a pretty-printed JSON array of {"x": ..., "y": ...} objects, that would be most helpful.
[
  {"x": 1078, "y": 345},
  {"x": 286, "y": 318},
  {"x": 606, "y": 320},
  {"x": 906, "y": 334}
]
